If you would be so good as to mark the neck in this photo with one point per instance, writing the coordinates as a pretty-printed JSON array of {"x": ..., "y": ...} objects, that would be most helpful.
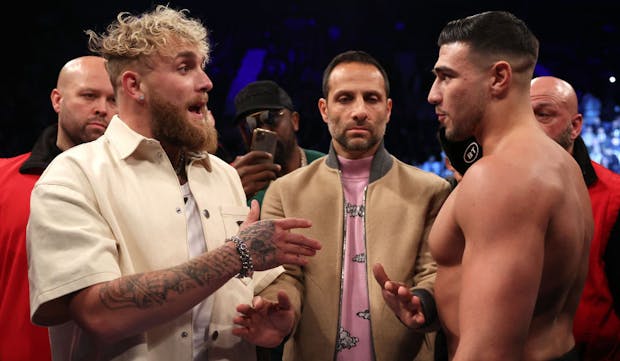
[{"x": 296, "y": 160}]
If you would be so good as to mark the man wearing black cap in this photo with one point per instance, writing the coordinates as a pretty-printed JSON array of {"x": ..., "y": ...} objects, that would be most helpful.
[{"x": 264, "y": 104}]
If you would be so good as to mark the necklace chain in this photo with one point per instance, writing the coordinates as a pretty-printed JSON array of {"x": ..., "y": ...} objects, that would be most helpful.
[{"x": 180, "y": 167}]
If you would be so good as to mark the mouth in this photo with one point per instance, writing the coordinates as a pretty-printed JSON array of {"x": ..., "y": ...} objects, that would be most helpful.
[
  {"x": 199, "y": 109},
  {"x": 98, "y": 124},
  {"x": 358, "y": 129}
]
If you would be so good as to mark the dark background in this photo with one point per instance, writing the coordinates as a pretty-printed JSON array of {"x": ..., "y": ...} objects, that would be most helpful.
[{"x": 580, "y": 42}]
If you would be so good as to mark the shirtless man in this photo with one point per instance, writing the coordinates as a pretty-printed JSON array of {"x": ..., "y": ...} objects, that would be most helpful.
[{"x": 511, "y": 241}]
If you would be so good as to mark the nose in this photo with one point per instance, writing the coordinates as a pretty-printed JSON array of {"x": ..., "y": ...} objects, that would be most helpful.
[
  {"x": 101, "y": 107},
  {"x": 205, "y": 83},
  {"x": 359, "y": 109},
  {"x": 434, "y": 97}
]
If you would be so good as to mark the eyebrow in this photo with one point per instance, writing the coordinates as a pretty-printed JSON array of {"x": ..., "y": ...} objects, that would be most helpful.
[
  {"x": 440, "y": 69},
  {"x": 543, "y": 103},
  {"x": 186, "y": 54}
]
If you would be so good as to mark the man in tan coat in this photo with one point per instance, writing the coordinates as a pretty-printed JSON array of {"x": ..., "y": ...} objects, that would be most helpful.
[{"x": 366, "y": 207}]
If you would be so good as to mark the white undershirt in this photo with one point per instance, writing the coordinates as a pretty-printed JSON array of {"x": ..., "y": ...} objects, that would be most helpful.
[{"x": 197, "y": 245}]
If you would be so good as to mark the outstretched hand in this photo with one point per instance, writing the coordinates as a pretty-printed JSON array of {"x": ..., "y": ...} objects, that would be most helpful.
[
  {"x": 256, "y": 169},
  {"x": 265, "y": 323},
  {"x": 397, "y": 296},
  {"x": 271, "y": 243}
]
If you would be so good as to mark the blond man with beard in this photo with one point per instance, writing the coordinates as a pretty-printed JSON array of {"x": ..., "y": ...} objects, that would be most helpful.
[{"x": 127, "y": 237}]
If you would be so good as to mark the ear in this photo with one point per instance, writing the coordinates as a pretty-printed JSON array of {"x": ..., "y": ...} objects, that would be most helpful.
[
  {"x": 501, "y": 77},
  {"x": 56, "y": 97},
  {"x": 323, "y": 109},
  {"x": 130, "y": 82},
  {"x": 389, "y": 110},
  {"x": 295, "y": 121},
  {"x": 576, "y": 123}
]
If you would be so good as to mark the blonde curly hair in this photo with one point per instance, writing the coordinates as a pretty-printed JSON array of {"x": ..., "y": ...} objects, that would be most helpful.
[{"x": 133, "y": 40}]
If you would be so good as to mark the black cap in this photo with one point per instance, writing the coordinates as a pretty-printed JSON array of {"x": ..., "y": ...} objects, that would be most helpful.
[{"x": 260, "y": 95}]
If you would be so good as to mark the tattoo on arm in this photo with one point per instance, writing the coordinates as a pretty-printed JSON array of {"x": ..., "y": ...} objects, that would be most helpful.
[
  {"x": 260, "y": 248},
  {"x": 146, "y": 290}
]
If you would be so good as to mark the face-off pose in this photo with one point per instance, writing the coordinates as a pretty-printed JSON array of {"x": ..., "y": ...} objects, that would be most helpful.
[{"x": 511, "y": 241}]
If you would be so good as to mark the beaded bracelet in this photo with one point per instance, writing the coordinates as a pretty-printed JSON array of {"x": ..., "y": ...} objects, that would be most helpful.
[{"x": 247, "y": 268}]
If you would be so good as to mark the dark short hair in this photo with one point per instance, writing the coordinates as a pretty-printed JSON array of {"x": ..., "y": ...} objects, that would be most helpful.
[
  {"x": 353, "y": 56},
  {"x": 493, "y": 33}
]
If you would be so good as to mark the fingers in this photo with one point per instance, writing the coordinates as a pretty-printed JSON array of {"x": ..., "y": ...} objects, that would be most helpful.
[
  {"x": 290, "y": 223},
  {"x": 244, "y": 308},
  {"x": 258, "y": 173},
  {"x": 284, "y": 302},
  {"x": 253, "y": 215},
  {"x": 298, "y": 243},
  {"x": 251, "y": 158},
  {"x": 256, "y": 169},
  {"x": 254, "y": 162},
  {"x": 380, "y": 275},
  {"x": 255, "y": 178},
  {"x": 299, "y": 256}
]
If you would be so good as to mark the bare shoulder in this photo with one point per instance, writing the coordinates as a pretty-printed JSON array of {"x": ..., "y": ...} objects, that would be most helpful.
[{"x": 502, "y": 188}]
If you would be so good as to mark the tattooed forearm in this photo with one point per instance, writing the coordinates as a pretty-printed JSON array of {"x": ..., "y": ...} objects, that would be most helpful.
[{"x": 152, "y": 289}]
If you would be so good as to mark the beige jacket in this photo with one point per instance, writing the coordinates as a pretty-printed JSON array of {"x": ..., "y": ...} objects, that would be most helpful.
[{"x": 401, "y": 204}]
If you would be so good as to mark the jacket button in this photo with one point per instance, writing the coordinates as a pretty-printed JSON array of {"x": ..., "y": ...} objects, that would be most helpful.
[
  {"x": 184, "y": 334},
  {"x": 214, "y": 335},
  {"x": 206, "y": 213}
]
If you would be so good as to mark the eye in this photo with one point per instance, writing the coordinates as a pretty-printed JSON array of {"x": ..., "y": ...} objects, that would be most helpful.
[
  {"x": 445, "y": 76},
  {"x": 343, "y": 99}
]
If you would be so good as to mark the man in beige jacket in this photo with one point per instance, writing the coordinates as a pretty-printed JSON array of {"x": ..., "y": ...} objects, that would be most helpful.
[{"x": 366, "y": 207}]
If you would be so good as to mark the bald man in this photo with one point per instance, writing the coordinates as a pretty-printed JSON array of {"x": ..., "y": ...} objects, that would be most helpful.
[
  {"x": 84, "y": 101},
  {"x": 596, "y": 325}
]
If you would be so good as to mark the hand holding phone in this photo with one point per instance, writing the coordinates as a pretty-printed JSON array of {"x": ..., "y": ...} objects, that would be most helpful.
[{"x": 265, "y": 140}]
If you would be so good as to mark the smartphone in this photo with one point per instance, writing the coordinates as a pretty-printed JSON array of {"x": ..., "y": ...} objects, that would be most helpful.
[{"x": 265, "y": 140}]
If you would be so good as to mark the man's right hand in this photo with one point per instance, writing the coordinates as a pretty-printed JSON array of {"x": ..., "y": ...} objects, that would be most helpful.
[
  {"x": 271, "y": 242},
  {"x": 397, "y": 296},
  {"x": 256, "y": 169}
]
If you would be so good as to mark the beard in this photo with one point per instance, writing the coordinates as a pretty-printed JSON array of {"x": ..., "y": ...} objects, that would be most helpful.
[
  {"x": 171, "y": 126},
  {"x": 564, "y": 138},
  {"x": 465, "y": 127},
  {"x": 471, "y": 108},
  {"x": 357, "y": 144}
]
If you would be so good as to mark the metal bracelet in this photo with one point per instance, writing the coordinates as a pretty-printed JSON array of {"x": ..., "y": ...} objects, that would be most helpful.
[{"x": 247, "y": 267}]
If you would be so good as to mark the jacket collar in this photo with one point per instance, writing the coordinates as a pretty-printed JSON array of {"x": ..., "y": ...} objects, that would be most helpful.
[
  {"x": 128, "y": 142},
  {"x": 580, "y": 153},
  {"x": 43, "y": 152},
  {"x": 381, "y": 162}
]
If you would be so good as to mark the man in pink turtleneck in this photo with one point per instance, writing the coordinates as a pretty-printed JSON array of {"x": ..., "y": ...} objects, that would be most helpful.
[{"x": 366, "y": 207}]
